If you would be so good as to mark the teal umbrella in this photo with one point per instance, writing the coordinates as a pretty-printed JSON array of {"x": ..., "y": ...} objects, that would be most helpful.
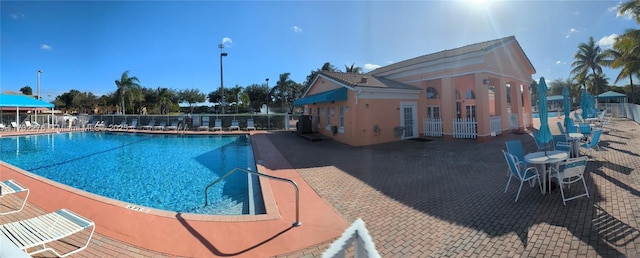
[
  {"x": 544, "y": 134},
  {"x": 584, "y": 104},
  {"x": 567, "y": 108}
]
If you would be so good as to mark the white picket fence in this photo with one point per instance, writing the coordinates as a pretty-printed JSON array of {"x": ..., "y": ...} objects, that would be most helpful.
[
  {"x": 432, "y": 127},
  {"x": 496, "y": 125},
  {"x": 465, "y": 128}
]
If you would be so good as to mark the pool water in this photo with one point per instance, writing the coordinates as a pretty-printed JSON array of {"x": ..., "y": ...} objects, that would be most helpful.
[
  {"x": 551, "y": 114},
  {"x": 167, "y": 172}
]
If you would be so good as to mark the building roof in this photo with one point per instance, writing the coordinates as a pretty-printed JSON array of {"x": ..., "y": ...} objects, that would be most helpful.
[
  {"x": 477, "y": 47},
  {"x": 11, "y": 100},
  {"x": 555, "y": 98},
  {"x": 366, "y": 80},
  {"x": 612, "y": 94}
]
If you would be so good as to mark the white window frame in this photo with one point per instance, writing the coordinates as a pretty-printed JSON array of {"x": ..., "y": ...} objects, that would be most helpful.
[{"x": 431, "y": 110}]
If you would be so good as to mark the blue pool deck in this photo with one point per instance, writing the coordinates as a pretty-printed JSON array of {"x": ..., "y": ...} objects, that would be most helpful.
[{"x": 437, "y": 198}]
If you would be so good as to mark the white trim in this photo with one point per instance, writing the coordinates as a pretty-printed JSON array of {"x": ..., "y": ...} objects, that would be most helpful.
[
  {"x": 469, "y": 73},
  {"x": 328, "y": 78},
  {"x": 427, "y": 68},
  {"x": 451, "y": 62}
]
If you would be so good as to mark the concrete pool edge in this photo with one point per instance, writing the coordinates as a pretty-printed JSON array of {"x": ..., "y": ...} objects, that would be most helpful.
[
  {"x": 186, "y": 235},
  {"x": 272, "y": 212}
]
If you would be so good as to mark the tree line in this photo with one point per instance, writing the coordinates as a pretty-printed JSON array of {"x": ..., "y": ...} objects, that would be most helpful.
[{"x": 130, "y": 97}]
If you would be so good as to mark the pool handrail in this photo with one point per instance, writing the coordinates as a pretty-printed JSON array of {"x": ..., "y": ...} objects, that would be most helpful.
[{"x": 295, "y": 186}]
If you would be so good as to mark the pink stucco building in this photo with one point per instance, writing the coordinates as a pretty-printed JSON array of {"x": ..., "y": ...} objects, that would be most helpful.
[{"x": 477, "y": 91}]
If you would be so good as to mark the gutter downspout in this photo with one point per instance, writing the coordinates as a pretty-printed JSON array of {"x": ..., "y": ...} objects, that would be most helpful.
[{"x": 358, "y": 93}]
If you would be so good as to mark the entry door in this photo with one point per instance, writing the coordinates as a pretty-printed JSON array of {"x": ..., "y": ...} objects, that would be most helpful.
[{"x": 408, "y": 118}]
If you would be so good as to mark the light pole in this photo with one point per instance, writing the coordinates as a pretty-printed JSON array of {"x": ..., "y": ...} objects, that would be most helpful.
[
  {"x": 267, "y": 104},
  {"x": 221, "y": 46},
  {"x": 38, "y": 92}
]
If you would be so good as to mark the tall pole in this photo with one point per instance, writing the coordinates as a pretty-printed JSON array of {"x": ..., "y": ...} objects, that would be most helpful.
[
  {"x": 38, "y": 92},
  {"x": 267, "y": 104},
  {"x": 221, "y": 46}
]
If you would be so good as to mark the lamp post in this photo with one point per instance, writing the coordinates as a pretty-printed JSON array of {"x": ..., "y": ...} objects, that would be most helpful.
[
  {"x": 38, "y": 92},
  {"x": 267, "y": 104},
  {"x": 221, "y": 46}
]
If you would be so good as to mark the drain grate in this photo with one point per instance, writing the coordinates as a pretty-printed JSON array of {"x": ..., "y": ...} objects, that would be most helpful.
[{"x": 136, "y": 208}]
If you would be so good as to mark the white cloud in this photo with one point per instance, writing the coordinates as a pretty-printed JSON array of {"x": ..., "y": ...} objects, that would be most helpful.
[
  {"x": 226, "y": 40},
  {"x": 296, "y": 29},
  {"x": 16, "y": 16},
  {"x": 571, "y": 32},
  {"x": 45, "y": 47},
  {"x": 560, "y": 62},
  {"x": 371, "y": 66},
  {"x": 607, "y": 41}
]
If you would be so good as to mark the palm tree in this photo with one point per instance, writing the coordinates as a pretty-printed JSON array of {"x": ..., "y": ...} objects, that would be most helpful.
[
  {"x": 353, "y": 69},
  {"x": 284, "y": 86},
  {"x": 329, "y": 67},
  {"x": 632, "y": 6},
  {"x": 126, "y": 85},
  {"x": 165, "y": 99},
  {"x": 589, "y": 58},
  {"x": 622, "y": 59}
]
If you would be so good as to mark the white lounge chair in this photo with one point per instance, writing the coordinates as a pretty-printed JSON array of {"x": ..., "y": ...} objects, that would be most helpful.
[
  {"x": 2, "y": 127},
  {"x": 134, "y": 124},
  {"x": 12, "y": 187},
  {"x": 149, "y": 126},
  {"x": 161, "y": 126},
  {"x": 45, "y": 229},
  {"x": 217, "y": 125},
  {"x": 250, "y": 125},
  {"x": 205, "y": 124},
  {"x": 14, "y": 126},
  {"x": 234, "y": 125},
  {"x": 122, "y": 125},
  {"x": 28, "y": 126},
  {"x": 173, "y": 126}
]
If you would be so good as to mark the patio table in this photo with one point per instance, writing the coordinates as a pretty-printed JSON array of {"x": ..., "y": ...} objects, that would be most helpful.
[
  {"x": 574, "y": 138},
  {"x": 546, "y": 160}
]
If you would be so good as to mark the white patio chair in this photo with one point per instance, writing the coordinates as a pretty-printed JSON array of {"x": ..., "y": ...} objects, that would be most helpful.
[
  {"x": 530, "y": 173},
  {"x": 571, "y": 171},
  {"x": 45, "y": 229}
]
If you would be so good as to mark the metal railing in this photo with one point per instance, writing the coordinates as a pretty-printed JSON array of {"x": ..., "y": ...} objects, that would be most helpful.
[{"x": 295, "y": 186}]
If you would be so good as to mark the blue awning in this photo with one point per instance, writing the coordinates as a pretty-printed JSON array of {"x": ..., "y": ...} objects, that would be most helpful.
[
  {"x": 10, "y": 100},
  {"x": 327, "y": 96}
]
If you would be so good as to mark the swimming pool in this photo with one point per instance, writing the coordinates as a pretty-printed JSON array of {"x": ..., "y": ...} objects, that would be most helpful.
[
  {"x": 551, "y": 114},
  {"x": 167, "y": 172}
]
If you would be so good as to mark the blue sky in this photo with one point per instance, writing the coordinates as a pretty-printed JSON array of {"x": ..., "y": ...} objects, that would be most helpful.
[{"x": 87, "y": 45}]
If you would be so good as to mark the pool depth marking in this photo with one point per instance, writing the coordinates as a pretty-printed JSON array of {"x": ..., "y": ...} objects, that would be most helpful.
[{"x": 136, "y": 208}]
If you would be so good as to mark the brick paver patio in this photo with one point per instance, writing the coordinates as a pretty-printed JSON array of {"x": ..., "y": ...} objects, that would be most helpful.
[{"x": 446, "y": 198}]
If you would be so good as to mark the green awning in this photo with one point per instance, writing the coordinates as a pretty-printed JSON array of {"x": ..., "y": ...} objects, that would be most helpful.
[{"x": 327, "y": 96}]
